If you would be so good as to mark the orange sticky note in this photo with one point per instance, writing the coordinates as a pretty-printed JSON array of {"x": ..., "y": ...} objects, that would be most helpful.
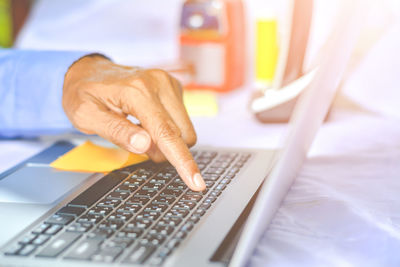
[{"x": 90, "y": 157}]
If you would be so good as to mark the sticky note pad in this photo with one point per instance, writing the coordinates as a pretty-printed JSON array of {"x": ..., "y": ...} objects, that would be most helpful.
[
  {"x": 200, "y": 103},
  {"x": 90, "y": 157}
]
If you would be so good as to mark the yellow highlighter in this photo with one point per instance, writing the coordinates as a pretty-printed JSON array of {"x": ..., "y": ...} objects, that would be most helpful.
[{"x": 266, "y": 51}]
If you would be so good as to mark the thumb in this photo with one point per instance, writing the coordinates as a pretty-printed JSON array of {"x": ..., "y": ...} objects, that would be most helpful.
[{"x": 122, "y": 132}]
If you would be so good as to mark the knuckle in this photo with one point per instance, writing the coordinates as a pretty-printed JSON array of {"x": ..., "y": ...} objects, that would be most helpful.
[
  {"x": 138, "y": 82},
  {"x": 158, "y": 73},
  {"x": 190, "y": 139},
  {"x": 114, "y": 129},
  {"x": 168, "y": 131}
]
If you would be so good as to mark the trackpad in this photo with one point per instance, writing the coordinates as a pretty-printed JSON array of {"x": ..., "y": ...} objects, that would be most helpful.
[{"x": 38, "y": 185}]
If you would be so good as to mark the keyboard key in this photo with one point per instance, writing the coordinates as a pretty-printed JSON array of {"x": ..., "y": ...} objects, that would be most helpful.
[
  {"x": 98, "y": 190},
  {"x": 151, "y": 215},
  {"x": 134, "y": 182},
  {"x": 126, "y": 188},
  {"x": 72, "y": 211},
  {"x": 187, "y": 227},
  {"x": 164, "y": 200},
  {"x": 205, "y": 205},
  {"x": 121, "y": 242},
  {"x": 217, "y": 171},
  {"x": 131, "y": 233},
  {"x": 171, "y": 192},
  {"x": 27, "y": 239},
  {"x": 14, "y": 249},
  {"x": 26, "y": 250},
  {"x": 59, "y": 244},
  {"x": 190, "y": 192},
  {"x": 99, "y": 210},
  {"x": 161, "y": 229},
  {"x": 138, "y": 200},
  {"x": 53, "y": 229},
  {"x": 177, "y": 213},
  {"x": 118, "y": 195},
  {"x": 101, "y": 233},
  {"x": 139, "y": 223},
  {"x": 158, "y": 180},
  {"x": 171, "y": 221},
  {"x": 130, "y": 208},
  {"x": 111, "y": 224},
  {"x": 108, "y": 254},
  {"x": 173, "y": 243},
  {"x": 220, "y": 187},
  {"x": 210, "y": 177},
  {"x": 112, "y": 203},
  {"x": 200, "y": 212},
  {"x": 140, "y": 254},
  {"x": 85, "y": 249},
  {"x": 79, "y": 227},
  {"x": 187, "y": 205},
  {"x": 180, "y": 235},
  {"x": 59, "y": 219},
  {"x": 210, "y": 199},
  {"x": 93, "y": 219},
  {"x": 178, "y": 186},
  {"x": 40, "y": 240},
  {"x": 225, "y": 181},
  {"x": 156, "y": 207},
  {"x": 209, "y": 184},
  {"x": 194, "y": 218},
  {"x": 152, "y": 239},
  {"x": 215, "y": 193},
  {"x": 120, "y": 216},
  {"x": 146, "y": 193},
  {"x": 41, "y": 228},
  {"x": 192, "y": 198}
]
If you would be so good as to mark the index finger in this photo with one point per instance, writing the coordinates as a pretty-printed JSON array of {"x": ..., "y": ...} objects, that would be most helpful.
[{"x": 166, "y": 135}]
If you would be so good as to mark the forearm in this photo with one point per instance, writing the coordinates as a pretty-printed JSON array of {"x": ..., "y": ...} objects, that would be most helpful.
[{"x": 31, "y": 85}]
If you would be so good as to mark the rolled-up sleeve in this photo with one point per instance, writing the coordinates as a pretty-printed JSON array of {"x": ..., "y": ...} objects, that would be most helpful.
[{"x": 31, "y": 85}]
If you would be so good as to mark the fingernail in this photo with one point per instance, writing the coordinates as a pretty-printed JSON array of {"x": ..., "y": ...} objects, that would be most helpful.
[
  {"x": 139, "y": 143},
  {"x": 198, "y": 181}
]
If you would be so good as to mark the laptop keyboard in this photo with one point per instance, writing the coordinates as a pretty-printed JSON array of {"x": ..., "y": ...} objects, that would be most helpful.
[{"x": 137, "y": 214}]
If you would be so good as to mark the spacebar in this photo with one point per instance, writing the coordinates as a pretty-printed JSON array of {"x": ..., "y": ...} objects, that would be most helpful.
[{"x": 97, "y": 190}]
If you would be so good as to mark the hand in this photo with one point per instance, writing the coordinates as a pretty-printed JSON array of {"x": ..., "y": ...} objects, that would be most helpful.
[{"x": 98, "y": 95}]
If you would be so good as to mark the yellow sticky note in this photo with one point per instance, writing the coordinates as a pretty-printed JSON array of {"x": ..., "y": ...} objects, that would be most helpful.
[
  {"x": 89, "y": 157},
  {"x": 200, "y": 103},
  {"x": 266, "y": 50}
]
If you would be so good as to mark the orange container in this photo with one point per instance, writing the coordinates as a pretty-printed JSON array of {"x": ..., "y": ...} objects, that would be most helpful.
[{"x": 212, "y": 40}]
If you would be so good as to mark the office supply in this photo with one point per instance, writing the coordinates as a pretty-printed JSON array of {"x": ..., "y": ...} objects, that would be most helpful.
[
  {"x": 200, "y": 103},
  {"x": 89, "y": 157},
  {"x": 212, "y": 40}
]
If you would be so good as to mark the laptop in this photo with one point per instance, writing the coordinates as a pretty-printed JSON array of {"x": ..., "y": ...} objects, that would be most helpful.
[{"x": 144, "y": 214}]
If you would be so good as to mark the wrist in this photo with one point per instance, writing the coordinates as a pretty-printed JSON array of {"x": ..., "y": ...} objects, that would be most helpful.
[{"x": 84, "y": 65}]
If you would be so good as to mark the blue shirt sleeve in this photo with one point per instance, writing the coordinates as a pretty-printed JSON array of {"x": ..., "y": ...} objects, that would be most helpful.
[{"x": 31, "y": 85}]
